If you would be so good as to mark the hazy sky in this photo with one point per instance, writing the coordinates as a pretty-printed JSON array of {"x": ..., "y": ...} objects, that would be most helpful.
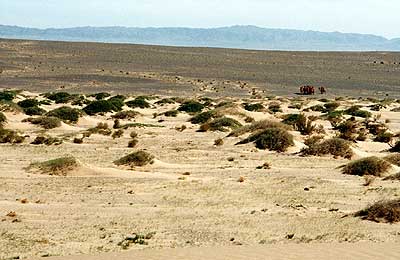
[{"x": 381, "y": 17}]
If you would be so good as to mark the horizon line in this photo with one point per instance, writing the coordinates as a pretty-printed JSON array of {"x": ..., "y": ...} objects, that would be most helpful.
[{"x": 195, "y": 28}]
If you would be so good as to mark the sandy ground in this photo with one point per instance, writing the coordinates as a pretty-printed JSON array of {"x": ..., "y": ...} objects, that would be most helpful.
[
  {"x": 357, "y": 251},
  {"x": 300, "y": 208}
]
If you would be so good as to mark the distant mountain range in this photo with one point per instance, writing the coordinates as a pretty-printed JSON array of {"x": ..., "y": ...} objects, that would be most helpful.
[{"x": 243, "y": 37}]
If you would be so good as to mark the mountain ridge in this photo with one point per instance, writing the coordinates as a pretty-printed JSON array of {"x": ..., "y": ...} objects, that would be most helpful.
[{"x": 237, "y": 36}]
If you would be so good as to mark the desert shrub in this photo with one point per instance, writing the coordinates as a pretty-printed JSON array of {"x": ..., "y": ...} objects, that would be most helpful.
[
  {"x": 59, "y": 166},
  {"x": 28, "y": 103},
  {"x": 377, "y": 107},
  {"x": 47, "y": 140},
  {"x": 384, "y": 137},
  {"x": 275, "y": 139},
  {"x": 383, "y": 211},
  {"x": 133, "y": 134},
  {"x": 181, "y": 128},
  {"x": 393, "y": 159},
  {"x": 129, "y": 114},
  {"x": 265, "y": 166},
  {"x": 334, "y": 146},
  {"x": 9, "y": 106},
  {"x": 330, "y": 107},
  {"x": 253, "y": 107},
  {"x": 117, "y": 124},
  {"x": 79, "y": 100},
  {"x": 140, "y": 158},
  {"x": 46, "y": 122},
  {"x": 101, "y": 128},
  {"x": 313, "y": 140},
  {"x": 295, "y": 106},
  {"x": 78, "y": 140},
  {"x": 34, "y": 111},
  {"x": 66, "y": 114},
  {"x": 356, "y": 111},
  {"x": 138, "y": 102},
  {"x": 10, "y": 136},
  {"x": 165, "y": 101},
  {"x": 59, "y": 97},
  {"x": 103, "y": 106},
  {"x": 203, "y": 117},
  {"x": 7, "y": 95},
  {"x": 300, "y": 123},
  {"x": 367, "y": 166},
  {"x": 396, "y": 109},
  {"x": 100, "y": 96},
  {"x": 348, "y": 130},
  {"x": 191, "y": 107},
  {"x": 221, "y": 124},
  {"x": 274, "y": 107},
  {"x": 317, "y": 108},
  {"x": 3, "y": 119},
  {"x": 132, "y": 143},
  {"x": 219, "y": 142},
  {"x": 171, "y": 113},
  {"x": 117, "y": 134},
  {"x": 396, "y": 147},
  {"x": 249, "y": 119},
  {"x": 258, "y": 125}
]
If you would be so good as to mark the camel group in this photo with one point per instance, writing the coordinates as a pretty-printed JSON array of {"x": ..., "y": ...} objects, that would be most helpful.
[{"x": 310, "y": 90}]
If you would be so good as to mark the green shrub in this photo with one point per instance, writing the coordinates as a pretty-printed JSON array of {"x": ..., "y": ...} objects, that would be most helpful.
[
  {"x": 59, "y": 167},
  {"x": 191, "y": 107},
  {"x": 129, "y": 114},
  {"x": 356, "y": 111},
  {"x": 140, "y": 158},
  {"x": 44, "y": 121},
  {"x": 334, "y": 146},
  {"x": 10, "y": 136},
  {"x": 258, "y": 125},
  {"x": 221, "y": 124},
  {"x": 330, "y": 107},
  {"x": 275, "y": 139},
  {"x": 317, "y": 108},
  {"x": 103, "y": 106},
  {"x": 28, "y": 103},
  {"x": 3, "y": 119},
  {"x": 100, "y": 96},
  {"x": 384, "y": 137},
  {"x": 203, "y": 117},
  {"x": 165, "y": 101},
  {"x": 59, "y": 97},
  {"x": 348, "y": 130},
  {"x": 138, "y": 102},
  {"x": 7, "y": 95},
  {"x": 300, "y": 123},
  {"x": 171, "y": 113},
  {"x": 34, "y": 111},
  {"x": 367, "y": 166},
  {"x": 47, "y": 140},
  {"x": 9, "y": 106},
  {"x": 253, "y": 107},
  {"x": 375, "y": 128},
  {"x": 274, "y": 107},
  {"x": 66, "y": 114},
  {"x": 383, "y": 211}
]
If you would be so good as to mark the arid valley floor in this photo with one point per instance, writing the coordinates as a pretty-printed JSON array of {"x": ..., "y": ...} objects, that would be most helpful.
[{"x": 208, "y": 182}]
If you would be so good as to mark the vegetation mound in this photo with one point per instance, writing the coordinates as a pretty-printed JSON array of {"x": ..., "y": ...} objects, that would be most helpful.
[
  {"x": 10, "y": 136},
  {"x": 3, "y": 119},
  {"x": 66, "y": 114},
  {"x": 129, "y": 114},
  {"x": 140, "y": 158},
  {"x": 393, "y": 159},
  {"x": 383, "y": 211},
  {"x": 253, "y": 107},
  {"x": 58, "y": 167},
  {"x": 334, "y": 146},
  {"x": 222, "y": 124},
  {"x": 259, "y": 125},
  {"x": 275, "y": 139},
  {"x": 47, "y": 122},
  {"x": 367, "y": 166},
  {"x": 191, "y": 107},
  {"x": 103, "y": 106},
  {"x": 139, "y": 102}
]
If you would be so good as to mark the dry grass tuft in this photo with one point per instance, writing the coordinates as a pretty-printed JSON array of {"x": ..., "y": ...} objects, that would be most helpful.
[
  {"x": 367, "y": 166},
  {"x": 382, "y": 212}
]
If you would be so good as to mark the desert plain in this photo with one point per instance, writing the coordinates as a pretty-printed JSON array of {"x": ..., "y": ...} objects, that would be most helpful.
[{"x": 215, "y": 178}]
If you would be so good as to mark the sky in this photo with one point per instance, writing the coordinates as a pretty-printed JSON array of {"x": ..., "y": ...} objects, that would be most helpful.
[{"x": 380, "y": 17}]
